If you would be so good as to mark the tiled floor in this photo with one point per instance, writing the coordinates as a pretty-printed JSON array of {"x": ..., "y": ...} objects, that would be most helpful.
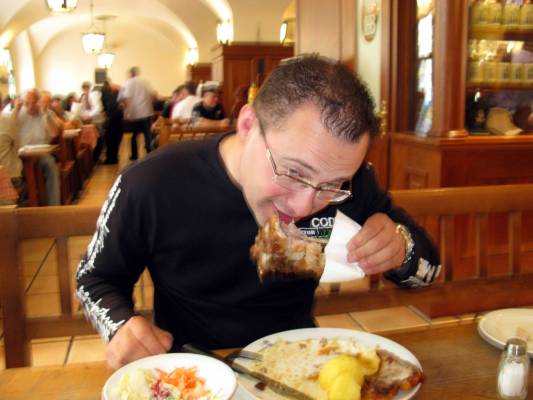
[{"x": 42, "y": 292}]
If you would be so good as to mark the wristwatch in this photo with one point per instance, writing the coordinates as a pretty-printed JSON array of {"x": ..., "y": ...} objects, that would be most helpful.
[{"x": 408, "y": 241}]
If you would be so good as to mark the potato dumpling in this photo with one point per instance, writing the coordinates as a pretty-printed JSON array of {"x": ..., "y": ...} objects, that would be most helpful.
[
  {"x": 341, "y": 364},
  {"x": 344, "y": 387},
  {"x": 370, "y": 361}
]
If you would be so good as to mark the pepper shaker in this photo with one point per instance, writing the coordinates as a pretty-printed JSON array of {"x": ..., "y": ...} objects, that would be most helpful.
[{"x": 513, "y": 371}]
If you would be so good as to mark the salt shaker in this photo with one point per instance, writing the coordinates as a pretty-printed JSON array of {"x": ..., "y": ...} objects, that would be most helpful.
[{"x": 513, "y": 371}]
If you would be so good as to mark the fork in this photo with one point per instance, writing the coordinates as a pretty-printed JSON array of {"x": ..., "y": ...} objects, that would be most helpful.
[{"x": 249, "y": 355}]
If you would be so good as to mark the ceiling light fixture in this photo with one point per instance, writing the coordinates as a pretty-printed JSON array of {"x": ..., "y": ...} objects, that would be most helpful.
[
  {"x": 61, "y": 6},
  {"x": 106, "y": 57},
  {"x": 192, "y": 56},
  {"x": 92, "y": 40},
  {"x": 286, "y": 31},
  {"x": 225, "y": 32}
]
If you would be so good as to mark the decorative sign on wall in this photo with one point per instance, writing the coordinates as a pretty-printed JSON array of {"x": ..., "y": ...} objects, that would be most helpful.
[{"x": 369, "y": 21}]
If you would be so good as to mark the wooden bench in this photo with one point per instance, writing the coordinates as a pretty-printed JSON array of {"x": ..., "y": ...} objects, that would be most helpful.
[
  {"x": 449, "y": 296},
  {"x": 169, "y": 133}
]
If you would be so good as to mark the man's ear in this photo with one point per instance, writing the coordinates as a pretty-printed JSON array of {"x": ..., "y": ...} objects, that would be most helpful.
[{"x": 245, "y": 122}]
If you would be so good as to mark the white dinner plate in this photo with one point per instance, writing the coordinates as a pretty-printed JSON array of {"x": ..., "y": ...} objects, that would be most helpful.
[
  {"x": 498, "y": 326},
  {"x": 219, "y": 378},
  {"x": 366, "y": 339}
]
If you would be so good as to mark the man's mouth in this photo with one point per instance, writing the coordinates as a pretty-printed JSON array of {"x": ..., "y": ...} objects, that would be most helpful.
[{"x": 285, "y": 218}]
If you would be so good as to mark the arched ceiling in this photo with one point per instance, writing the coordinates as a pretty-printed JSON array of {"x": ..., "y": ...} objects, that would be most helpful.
[
  {"x": 190, "y": 22},
  {"x": 193, "y": 21}
]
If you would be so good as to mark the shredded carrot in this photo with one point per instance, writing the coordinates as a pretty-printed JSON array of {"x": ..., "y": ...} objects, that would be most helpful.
[{"x": 184, "y": 379}]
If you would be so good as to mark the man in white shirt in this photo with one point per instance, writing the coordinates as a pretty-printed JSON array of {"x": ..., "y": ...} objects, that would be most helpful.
[
  {"x": 36, "y": 124},
  {"x": 182, "y": 111},
  {"x": 137, "y": 97},
  {"x": 9, "y": 158}
]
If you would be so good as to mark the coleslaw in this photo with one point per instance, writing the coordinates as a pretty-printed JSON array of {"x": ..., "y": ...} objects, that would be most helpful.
[{"x": 179, "y": 384}]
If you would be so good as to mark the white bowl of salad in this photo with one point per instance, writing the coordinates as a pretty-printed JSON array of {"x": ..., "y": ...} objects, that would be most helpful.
[{"x": 173, "y": 376}]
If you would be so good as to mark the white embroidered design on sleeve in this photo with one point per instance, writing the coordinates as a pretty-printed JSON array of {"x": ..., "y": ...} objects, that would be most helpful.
[
  {"x": 97, "y": 242},
  {"x": 425, "y": 274},
  {"x": 98, "y": 315}
]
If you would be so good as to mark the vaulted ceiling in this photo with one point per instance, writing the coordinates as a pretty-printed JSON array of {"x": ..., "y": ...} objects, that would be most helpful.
[{"x": 191, "y": 21}]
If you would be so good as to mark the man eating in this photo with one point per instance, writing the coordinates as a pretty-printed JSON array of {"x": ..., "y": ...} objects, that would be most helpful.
[{"x": 190, "y": 212}]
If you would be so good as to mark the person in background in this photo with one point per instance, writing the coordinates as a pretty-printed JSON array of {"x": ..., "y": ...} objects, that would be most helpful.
[
  {"x": 178, "y": 95},
  {"x": 9, "y": 158},
  {"x": 181, "y": 114},
  {"x": 240, "y": 98},
  {"x": 112, "y": 123},
  {"x": 36, "y": 124},
  {"x": 190, "y": 212},
  {"x": 209, "y": 112},
  {"x": 67, "y": 102},
  {"x": 91, "y": 108},
  {"x": 137, "y": 97},
  {"x": 6, "y": 105},
  {"x": 91, "y": 111}
]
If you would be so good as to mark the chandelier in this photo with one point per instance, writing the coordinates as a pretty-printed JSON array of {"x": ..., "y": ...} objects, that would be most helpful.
[
  {"x": 192, "y": 56},
  {"x": 92, "y": 40},
  {"x": 225, "y": 32},
  {"x": 61, "y": 6},
  {"x": 106, "y": 57}
]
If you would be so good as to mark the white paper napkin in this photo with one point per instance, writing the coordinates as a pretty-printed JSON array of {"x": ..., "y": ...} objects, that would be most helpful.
[{"x": 337, "y": 269}]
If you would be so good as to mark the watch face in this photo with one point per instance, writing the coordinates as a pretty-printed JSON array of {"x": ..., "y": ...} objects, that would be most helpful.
[{"x": 369, "y": 20}]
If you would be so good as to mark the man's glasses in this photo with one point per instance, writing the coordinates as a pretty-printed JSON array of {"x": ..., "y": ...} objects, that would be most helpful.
[{"x": 328, "y": 192}]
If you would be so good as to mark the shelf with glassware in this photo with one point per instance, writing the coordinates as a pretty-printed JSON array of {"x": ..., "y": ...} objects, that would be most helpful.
[
  {"x": 500, "y": 32},
  {"x": 499, "y": 88}
]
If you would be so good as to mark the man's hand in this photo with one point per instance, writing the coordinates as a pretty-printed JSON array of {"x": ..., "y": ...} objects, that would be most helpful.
[
  {"x": 377, "y": 247},
  {"x": 136, "y": 339}
]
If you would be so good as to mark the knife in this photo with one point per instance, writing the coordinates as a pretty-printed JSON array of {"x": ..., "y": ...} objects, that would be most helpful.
[{"x": 264, "y": 380}]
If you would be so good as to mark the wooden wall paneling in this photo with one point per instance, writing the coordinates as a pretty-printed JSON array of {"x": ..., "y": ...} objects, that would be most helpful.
[
  {"x": 200, "y": 72},
  {"x": 413, "y": 164},
  {"x": 236, "y": 64},
  {"x": 515, "y": 241},
  {"x": 403, "y": 69},
  {"x": 449, "y": 61}
]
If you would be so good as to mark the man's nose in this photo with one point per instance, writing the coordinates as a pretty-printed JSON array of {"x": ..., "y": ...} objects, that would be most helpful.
[{"x": 302, "y": 202}]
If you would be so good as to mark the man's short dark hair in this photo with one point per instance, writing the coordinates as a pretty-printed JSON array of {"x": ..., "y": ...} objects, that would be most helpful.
[
  {"x": 191, "y": 87},
  {"x": 345, "y": 103},
  {"x": 86, "y": 85},
  {"x": 178, "y": 89}
]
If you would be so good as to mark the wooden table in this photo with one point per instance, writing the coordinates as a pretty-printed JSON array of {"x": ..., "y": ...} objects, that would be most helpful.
[{"x": 457, "y": 362}]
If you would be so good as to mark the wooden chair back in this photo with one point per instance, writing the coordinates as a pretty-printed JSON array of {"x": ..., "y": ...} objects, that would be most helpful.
[
  {"x": 449, "y": 296},
  {"x": 508, "y": 281},
  {"x": 17, "y": 225},
  {"x": 169, "y": 132}
]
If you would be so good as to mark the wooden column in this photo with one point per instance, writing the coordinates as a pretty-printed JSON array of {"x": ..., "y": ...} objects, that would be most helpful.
[{"x": 449, "y": 72}]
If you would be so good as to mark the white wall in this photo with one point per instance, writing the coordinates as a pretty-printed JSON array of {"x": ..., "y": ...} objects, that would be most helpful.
[
  {"x": 22, "y": 56},
  {"x": 63, "y": 66},
  {"x": 257, "y": 20},
  {"x": 369, "y": 56}
]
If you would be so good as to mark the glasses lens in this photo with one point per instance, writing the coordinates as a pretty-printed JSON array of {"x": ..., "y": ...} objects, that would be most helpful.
[
  {"x": 331, "y": 196},
  {"x": 290, "y": 183}
]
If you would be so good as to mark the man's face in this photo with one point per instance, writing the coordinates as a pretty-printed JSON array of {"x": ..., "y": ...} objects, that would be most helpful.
[
  {"x": 31, "y": 102},
  {"x": 303, "y": 147},
  {"x": 210, "y": 99}
]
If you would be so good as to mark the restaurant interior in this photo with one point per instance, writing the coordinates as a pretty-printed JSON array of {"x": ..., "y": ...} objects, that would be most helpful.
[{"x": 452, "y": 83}]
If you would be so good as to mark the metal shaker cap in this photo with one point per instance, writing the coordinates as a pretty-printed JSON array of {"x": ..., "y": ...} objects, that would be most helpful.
[{"x": 515, "y": 347}]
